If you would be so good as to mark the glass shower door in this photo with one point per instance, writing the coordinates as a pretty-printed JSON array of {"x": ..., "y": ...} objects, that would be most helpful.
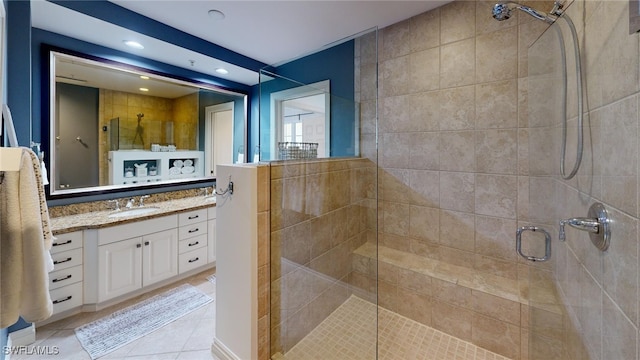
[{"x": 323, "y": 213}]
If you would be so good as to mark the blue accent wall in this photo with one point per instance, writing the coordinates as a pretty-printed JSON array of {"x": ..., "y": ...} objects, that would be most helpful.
[
  {"x": 335, "y": 64},
  {"x": 19, "y": 67}
]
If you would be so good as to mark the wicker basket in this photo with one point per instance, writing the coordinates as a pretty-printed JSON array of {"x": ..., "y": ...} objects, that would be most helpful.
[{"x": 297, "y": 150}]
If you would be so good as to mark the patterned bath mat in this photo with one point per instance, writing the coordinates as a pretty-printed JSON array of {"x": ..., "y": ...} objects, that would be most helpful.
[
  {"x": 105, "y": 335},
  {"x": 212, "y": 279}
]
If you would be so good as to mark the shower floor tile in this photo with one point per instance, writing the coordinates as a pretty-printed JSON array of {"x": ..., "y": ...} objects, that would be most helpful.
[{"x": 349, "y": 333}]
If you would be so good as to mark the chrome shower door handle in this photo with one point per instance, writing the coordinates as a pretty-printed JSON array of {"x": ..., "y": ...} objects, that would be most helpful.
[{"x": 547, "y": 243}]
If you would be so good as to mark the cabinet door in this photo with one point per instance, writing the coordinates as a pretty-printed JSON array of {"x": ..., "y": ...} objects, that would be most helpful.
[
  {"x": 160, "y": 259},
  {"x": 119, "y": 268},
  {"x": 211, "y": 236}
]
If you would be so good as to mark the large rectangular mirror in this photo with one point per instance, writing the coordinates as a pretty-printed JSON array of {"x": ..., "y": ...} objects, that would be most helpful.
[{"x": 115, "y": 126}]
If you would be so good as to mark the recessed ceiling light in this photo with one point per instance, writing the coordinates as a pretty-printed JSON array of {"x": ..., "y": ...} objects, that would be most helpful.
[
  {"x": 222, "y": 71},
  {"x": 144, "y": 77},
  {"x": 133, "y": 44},
  {"x": 216, "y": 14},
  {"x": 144, "y": 89}
]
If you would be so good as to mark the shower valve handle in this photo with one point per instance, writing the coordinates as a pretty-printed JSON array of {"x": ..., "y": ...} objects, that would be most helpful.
[
  {"x": 597, "y": 224},
  {"x": 591, "y": 225}
]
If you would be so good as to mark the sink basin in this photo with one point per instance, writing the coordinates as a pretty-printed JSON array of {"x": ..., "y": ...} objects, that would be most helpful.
[{"x": 133, "y": 212}]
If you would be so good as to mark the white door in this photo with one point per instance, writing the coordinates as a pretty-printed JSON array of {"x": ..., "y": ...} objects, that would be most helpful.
[
  {"x": 219, "y": 136},
  {"x": 119, "y": 268},
  {"x": 159, "y": 256}
]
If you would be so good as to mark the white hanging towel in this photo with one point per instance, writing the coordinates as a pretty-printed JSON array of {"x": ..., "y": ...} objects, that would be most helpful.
[{"x": 25, "y": 241}]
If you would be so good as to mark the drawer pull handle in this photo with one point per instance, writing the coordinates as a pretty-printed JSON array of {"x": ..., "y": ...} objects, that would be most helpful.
[
  {"x": 63, "y": 243},
  {"x": 194, "y": 260},
  {"x": 138, "y": 245},
  {"x": 193, "y": 217},
  {"x": 193, "y": 230},
  {"x": 61, "y": 261},
  {"x": 146, "y": 243},
  {"x": 62, "y": 300},
  {"x": 62, "y": 279},
  {"x": 195, "y": 243}
]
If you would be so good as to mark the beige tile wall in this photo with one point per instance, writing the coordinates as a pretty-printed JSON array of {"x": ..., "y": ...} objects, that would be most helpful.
[
  {"x": 454, "y": 161},
  {"x": 182, "y": 111},
  {"x": 599, "y": 290},
  {"x": 319, "y": 213}
]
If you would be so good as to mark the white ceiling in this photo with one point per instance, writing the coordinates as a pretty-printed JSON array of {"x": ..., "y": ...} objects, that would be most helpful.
[{"x": 269, "y": 31}]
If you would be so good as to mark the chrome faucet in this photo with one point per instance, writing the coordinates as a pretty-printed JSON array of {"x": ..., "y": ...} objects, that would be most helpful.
[
  {"x": 597, "y": 224},
  {"x": 130, "y": 203},
  {"x": 141, "y": 202},
  {"x": 591, "y": 225},
  {"x": 117, "y": 204}
]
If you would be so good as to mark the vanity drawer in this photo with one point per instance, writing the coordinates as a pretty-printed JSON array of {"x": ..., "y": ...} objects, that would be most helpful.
[
  {"x": 192, "y": 217},
  {"x": 189, "y": 231},
  {"x": 192, "y": 259},
  {"x": 211, "y": 213},
  {"x": 67, "y": 259},
  {"x": 66, "y": 297},
  {"x": 193, "y": 243},
  {"x": 65, "y": 277},
  {"x": 66, "y": 242}
]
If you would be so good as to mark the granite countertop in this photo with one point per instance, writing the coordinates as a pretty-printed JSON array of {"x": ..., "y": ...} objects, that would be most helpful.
[{"x": 100, "y": 219}]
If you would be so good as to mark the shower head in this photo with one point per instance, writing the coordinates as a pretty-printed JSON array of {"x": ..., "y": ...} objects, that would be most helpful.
[{"x": 502, "y": 11}]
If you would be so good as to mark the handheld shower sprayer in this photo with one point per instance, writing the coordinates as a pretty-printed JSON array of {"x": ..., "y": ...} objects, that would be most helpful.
[{"x": 502, "y": 11}]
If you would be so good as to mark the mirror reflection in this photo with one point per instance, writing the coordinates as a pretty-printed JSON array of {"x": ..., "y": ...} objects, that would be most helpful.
[{"x": 115, "y": 126}]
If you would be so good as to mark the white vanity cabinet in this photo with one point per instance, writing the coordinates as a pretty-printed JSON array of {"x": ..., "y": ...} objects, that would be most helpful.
[
  {"x": 211, "y": 234},
  {"x": 66, "y": 279},
  {"x": 132, "y": 256},
  {"x": 193, "y": 240},
  {"x": 128, "y": 265}
]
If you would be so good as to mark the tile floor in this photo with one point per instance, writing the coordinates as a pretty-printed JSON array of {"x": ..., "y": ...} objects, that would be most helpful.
[
  {"x": 349, "y": 333},
  {"x": 188, "y": 338}
]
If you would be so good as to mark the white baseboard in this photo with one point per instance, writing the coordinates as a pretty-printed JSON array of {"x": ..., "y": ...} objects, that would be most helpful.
[
  {"x": 23, "y": 337},
  {"x": 221, "y": 352}
]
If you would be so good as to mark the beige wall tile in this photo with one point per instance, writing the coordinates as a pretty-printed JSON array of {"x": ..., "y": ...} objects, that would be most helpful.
[
  {"x": 395, "y": 40},
  {"x": 424, "y": 67},
  {"x": 414, "y": 306},
  {"x": 497, "y": 105},
  {"x": 457, "y": 67},
  {"x": 424, "y": 151},
  {"x": 457, "y": 21},
  {"x": 457, "y": 151},
  {"x": 424, "y": 30},
  {"x": 417, "y": 282},
  {"x": 496, "y": 307},
  {"x": 457, "y": 108},
  {"x": 451, "y": 319},
  {"x": 495, "y": 237},
  {"x": 496, "y": 195},
  {"x": 457, "y": 191},
  {"x": 497, "y": 55},
  {"x": 396, "y": 218},
  {"x": 424, "y": 223},
  {"x": 497, "y": 336},
  {"x": 619, "y": 336},
  {"x": 496, "y": 151},
  {"x": 424, "y": 111},
  {"x": 457, "y": 230},
  {"x": 452, "y": 294},
  {"x": 424, "y": 188}
]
